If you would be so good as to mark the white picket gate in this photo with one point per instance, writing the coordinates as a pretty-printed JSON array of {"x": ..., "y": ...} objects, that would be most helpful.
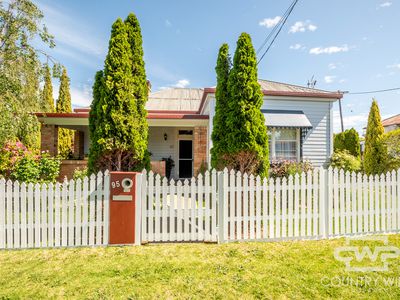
[
  {"x": 179, "y": 211},
  {"x": 73, "y": 213}
]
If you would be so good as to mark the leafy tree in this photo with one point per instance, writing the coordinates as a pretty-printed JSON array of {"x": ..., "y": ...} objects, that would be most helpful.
[
  {"x": 118, "y": 129},
  {"x": 392, "y": 141},
  {"x": 21, "y": 70},
  {"x": 219, "y": 132},
  {"x": 247, "y": 140},
  {"x": 94, "y": 116},
  {"x": 64, "y": 106},
  {"x": 348, "y": 140},
  {"x": 48, "y": 100},
  {"x": 375, "y": 155},
  {"x": 140, "y": 88}
]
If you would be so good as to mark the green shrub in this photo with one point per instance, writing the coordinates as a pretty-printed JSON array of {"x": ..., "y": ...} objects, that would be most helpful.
[
  {"x": 27, "y": 169},
  {"x": 49, "y": 168},
  {"x": 348, "y": 140},
  {"x": 286, "y": 168},
  {"x": 18, "y": 163},
  {"x": 344, "y": 160},
  {"x": 80, "y": 173}
]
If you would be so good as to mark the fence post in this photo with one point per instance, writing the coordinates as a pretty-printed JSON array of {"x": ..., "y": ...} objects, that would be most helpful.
[
  {"x": 222, "y": 199},
  {"x": 138, "y": 211},
  {"x": 324, "y": 196}
]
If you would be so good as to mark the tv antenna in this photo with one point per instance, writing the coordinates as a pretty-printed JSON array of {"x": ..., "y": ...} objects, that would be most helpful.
[{"x": 311, "y": 82}]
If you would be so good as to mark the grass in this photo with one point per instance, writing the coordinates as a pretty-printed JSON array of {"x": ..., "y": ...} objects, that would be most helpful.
[{"x": 299, "y": 269}]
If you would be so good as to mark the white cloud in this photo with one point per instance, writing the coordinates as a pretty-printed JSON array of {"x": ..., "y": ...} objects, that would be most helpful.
[
  {"x": 270, "y": 22},
  {"x": 329, "y": 50},
  {"x": 168, "y": 23},
  {"x": 301, "y": 26},
  {"x": 342, "y": 80},
  {"x": 80, "y": 97},
  {"x": 332, "y": 66},
  {"x": 394, "y": 66},
  {"x": 70, "y": 32},
  {"x": 386, "y": 4},
  {"x": 357, "y": 121},
  {"x": 329, "y": 78},
  {"x": 182, "y": 83},
  {"x": 296, "y": 47}
]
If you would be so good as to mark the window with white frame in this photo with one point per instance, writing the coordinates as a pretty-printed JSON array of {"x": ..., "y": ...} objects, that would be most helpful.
[{"x": 284, "y": 143}]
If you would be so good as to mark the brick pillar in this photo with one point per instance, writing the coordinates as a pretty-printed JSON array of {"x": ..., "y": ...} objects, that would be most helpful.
[
  {"x": 200, "y": 148},
  {"x": 78, "y": 144},
  {"x": 49, "y": 139}
]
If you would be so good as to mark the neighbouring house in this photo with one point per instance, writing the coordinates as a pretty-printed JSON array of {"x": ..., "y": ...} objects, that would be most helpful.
[
  {"x": 299, "y": 122},
  {"x": 391, "y": 123}
]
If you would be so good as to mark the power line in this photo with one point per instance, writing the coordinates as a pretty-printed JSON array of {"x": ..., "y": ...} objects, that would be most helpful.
[
  {"x": 274, "y": 29},
  {"x": 372, "y": 92},
  {"x": 279, "y": 26}
]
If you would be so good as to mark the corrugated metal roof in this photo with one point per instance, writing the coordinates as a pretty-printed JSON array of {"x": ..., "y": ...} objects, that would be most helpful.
[
  {"x": 395, "y": 120},
  {"x": 175, "y": 99},
  {"x": 189, "y": 99},
  {"x": 268, "y": 85}
]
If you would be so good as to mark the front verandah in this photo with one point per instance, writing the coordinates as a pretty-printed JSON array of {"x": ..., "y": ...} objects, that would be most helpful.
[{"x": 185, "y": 145}]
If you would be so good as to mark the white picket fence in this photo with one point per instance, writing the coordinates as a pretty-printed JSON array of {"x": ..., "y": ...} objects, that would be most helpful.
[
  {"x": 73, "y": 213},
  {"x": 229, "y": 206},
  {"x": 314, "y": 205},
  {"x": 219, "y": 206},
  {"x": 179, "y": 211}
]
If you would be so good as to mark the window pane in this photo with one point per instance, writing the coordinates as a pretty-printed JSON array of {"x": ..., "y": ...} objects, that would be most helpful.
[
  {"x": 285, "y": 134},
  {"x": 286, "y": 150}
]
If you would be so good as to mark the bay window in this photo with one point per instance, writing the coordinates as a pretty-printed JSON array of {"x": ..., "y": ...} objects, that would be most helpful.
[{"x": 284, "y": 143}]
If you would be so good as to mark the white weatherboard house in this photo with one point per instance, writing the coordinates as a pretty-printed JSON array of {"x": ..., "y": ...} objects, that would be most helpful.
[{"x": 299, "y": 122}]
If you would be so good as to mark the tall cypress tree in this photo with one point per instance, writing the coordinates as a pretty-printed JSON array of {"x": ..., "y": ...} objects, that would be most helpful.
[
  {"x": 375, "y": 155},
  {"x": 118, "y": 127},
  {"x": 140, "y": 87},
  {"x": 48, "y": 100},
  {"x": 247, "y": 139},
  {"x": 94, "y": 116},
  {"x": 219, "y": 132},
  {"x": 64, "y": 106}
]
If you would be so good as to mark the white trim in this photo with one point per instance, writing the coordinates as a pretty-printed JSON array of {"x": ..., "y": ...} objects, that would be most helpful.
[{"x": 273, "y": 146}]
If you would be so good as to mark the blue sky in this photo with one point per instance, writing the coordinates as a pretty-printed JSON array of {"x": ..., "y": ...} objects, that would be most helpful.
[{"x": 348, "y": 45}]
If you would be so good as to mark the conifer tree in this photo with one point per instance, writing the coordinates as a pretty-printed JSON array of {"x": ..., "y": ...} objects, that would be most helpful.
[
  {"x": 94, "y": 116},
  {"x": 375, "y": 155},
  {"x": 64, "y": 106},
  {"x": 219, "y": 132},
  {"x": 48, "y": 100},
  {"x": 247, "y": 140},
  {"x": 140, "y": 87},
  {"x": 118, "y": 129}
]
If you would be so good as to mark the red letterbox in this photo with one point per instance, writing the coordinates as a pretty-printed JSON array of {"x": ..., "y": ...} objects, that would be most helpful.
[{"x": 122, "y": 207}]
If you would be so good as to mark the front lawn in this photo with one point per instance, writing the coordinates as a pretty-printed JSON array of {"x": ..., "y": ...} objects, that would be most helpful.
[{"x": 304, "y": 269}]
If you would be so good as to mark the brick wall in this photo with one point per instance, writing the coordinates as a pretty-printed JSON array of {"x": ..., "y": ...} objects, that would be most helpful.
[
  {"x": 158, "y": 167},
  {"x": 68, "y": 167},
  {"x": 79, "y": 144},
  {"x": 49, "y": 139},
  {"x": 200, "y": 148}
]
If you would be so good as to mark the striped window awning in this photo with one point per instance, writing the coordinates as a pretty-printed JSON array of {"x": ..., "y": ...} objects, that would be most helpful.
[{"x": 286, "y": 118}]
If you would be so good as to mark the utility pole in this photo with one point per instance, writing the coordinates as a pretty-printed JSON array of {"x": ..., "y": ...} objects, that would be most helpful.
[{"x": 340, "y": 109}]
